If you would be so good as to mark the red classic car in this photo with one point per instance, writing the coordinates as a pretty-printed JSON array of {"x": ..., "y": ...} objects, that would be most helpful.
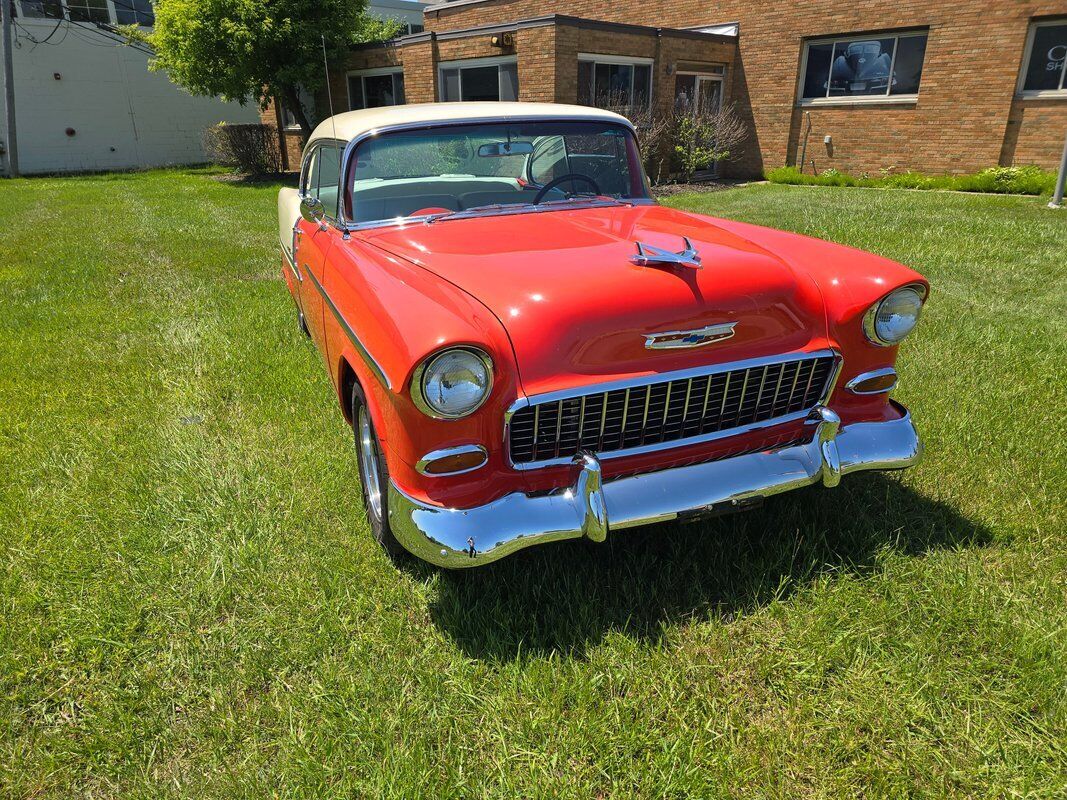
[{"x": 530, "y": 349}]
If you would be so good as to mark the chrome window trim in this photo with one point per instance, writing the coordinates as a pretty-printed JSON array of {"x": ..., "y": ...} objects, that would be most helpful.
[
  {"x": 662, "y": 377},
  {"x": 866, "y": 376},
  {"x": 348, "y": 225},
  {"x": 458, "y": 450},
  {"x": 869, "y": 315},
  {"x": 419, "y": 399},
  {"x": 368, "y": 359}
]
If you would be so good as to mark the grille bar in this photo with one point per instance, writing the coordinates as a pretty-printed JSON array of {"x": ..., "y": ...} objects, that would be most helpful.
[{"x": 663, "y": 412}]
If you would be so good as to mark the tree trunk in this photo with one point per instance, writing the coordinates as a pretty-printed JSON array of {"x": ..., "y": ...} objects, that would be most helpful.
[{"x": 291, "y": 99}]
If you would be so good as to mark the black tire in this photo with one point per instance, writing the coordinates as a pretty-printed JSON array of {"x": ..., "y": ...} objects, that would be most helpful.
[
  {"x": 302, "y": 323},
  {"x": 373, "y": 475}
]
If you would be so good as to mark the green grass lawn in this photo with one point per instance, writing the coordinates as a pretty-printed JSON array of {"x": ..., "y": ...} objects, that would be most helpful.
[{"x": 191, "y": 603}]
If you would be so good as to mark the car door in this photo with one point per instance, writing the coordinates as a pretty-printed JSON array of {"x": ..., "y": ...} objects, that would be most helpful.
[{"x": 314, "y": 239}]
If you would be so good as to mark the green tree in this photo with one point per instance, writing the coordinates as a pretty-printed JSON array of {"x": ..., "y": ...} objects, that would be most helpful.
[{"x": 257, "y": 49}]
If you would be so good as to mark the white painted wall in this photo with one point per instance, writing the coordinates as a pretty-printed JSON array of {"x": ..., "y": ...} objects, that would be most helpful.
[{"x": 123, "y": 115}]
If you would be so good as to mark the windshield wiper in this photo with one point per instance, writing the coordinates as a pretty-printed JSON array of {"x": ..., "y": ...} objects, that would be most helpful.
[{"x": 475, "y": 211}]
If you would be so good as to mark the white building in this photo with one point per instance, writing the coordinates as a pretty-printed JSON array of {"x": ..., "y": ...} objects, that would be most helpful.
[{"x": 86, "y": 101}]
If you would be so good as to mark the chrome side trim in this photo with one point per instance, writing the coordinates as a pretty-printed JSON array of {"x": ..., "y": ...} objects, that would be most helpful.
[
  {"x": 591, "y": 507},
  {"x": 291, "y": 264},
  {"x": 874, "y": 373},
  {"x": 663, "y": 377},
  {"x": 368, "y": 359},
  {"x": 458, "y": 450}
]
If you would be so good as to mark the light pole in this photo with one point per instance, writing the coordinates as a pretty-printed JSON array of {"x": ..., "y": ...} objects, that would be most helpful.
[
  {"x": 1057, "y": 196},
  {"x": 9, "y": 91}
]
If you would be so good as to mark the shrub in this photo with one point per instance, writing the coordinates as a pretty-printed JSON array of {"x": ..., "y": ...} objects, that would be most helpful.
[
  {"x": 1002, "y": 180},
  {"x": 704, "y": 139},
  {"x": 251, "y": 149}
]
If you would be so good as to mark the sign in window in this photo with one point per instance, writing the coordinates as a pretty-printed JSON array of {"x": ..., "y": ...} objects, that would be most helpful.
[{"x": 863, "y": 67}]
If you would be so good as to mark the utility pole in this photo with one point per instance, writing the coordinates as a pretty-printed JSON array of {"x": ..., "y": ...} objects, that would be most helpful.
[{"x": 9, "y": 91}]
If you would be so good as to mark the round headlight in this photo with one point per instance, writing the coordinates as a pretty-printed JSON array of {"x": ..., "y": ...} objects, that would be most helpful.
[
  {"x": 893, "y": 317},
  {"x": 453, "y": 383}
]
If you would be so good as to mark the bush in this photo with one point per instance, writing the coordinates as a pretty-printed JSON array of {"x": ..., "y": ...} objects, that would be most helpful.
[
  {"x": 1001, "y": 180},
  {"x": 251, "y": 149}
]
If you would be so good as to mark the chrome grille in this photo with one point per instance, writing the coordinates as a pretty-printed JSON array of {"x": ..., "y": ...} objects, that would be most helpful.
[{"x": 666, "y": 411}]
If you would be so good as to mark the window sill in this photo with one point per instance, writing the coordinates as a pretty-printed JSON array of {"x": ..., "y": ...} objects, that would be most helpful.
[
  {"x": 1043, "y": 94},
  {"x": 878, "y": 100}
]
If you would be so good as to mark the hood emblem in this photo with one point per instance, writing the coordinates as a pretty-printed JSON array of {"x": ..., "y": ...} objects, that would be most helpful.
[
  {"x": 680, "y": 340},
  {"x": 647, "y": 255}
]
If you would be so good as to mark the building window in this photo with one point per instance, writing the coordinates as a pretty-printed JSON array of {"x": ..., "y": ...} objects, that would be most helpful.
[
  {"x": 415, "y": 27},
  {"x": 614, "y": 81},
  {"x": 479, "y": 79},
  {"x": 135, "y": 12},
  {"x": 42, "y": 8},
  {"x": 89, "y": 11},
  {"x": 863, "y": 68},
  {"x": 1045, "y": 65},
  {"x": 373, "y": 88}
]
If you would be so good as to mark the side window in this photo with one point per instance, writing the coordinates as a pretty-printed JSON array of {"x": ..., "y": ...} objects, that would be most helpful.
[{"x": 327, "y": 175}]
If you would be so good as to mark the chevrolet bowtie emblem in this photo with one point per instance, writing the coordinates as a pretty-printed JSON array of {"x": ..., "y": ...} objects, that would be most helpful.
[
  {"x": 679, "y": 340},
  {"x": 648, "y": 255}
]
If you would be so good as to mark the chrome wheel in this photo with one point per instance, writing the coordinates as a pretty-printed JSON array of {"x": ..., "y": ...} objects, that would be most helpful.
[{"x": 368, "y": 461}]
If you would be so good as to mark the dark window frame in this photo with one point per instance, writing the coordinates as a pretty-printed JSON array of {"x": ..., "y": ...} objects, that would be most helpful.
[{"x": 834, "y": 42}]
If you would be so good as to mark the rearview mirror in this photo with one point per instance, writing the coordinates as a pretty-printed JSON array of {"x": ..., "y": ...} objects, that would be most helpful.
[
  {"x": 312, "y": 210},
  {"x": 498, "y": 149}
]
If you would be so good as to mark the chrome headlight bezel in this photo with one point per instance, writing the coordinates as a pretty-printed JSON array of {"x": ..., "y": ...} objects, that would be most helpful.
[
  {"x": 418, "y": 393},
  {"x": 870, "y": 317}
]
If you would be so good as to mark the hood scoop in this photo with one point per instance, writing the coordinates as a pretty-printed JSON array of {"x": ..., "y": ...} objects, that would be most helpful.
[{"x": 650, "y": 256}]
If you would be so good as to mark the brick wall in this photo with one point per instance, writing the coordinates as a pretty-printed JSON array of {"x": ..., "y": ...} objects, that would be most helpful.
[{"x": 966, "y": 116}]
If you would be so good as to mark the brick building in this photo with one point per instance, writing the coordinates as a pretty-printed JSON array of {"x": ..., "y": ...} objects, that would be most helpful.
[{"x": 929, "y": 85}]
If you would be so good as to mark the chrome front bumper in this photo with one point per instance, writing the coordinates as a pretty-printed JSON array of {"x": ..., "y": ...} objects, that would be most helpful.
[{"x": 592, "y": 507}]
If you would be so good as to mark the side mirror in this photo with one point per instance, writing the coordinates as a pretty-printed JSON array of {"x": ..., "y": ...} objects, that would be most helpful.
[{"x": 312, "y": 210}]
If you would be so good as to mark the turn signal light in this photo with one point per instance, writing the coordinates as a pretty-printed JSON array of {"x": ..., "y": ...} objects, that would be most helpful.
[
  {"x": 453, "y": 461},
  {"x": 877, "y": 382}
]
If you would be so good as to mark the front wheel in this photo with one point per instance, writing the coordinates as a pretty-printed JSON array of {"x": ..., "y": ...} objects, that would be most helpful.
[{"x": 373, "y": 474}]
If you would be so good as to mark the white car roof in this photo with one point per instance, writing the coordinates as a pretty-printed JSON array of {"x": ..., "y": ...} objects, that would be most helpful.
[{"x": 351, "y": 124}]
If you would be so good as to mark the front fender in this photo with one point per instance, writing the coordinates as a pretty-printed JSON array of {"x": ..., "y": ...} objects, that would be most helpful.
[{"x": 400, "y": 314}]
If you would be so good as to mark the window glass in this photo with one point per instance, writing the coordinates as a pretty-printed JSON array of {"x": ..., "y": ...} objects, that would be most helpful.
[
  {"x": 585, "y": 83},
  {"x": 355, "y": 92},
  {"x": 642, "y": 85},
  {"x": 684, "y": 92},
  {"x": 817, "y": 72},
  {"x": 509, "y": 81},
  {"x": 459, "y": 167},
  {"x": 326, "y": 177},
  {"x": 134, "y": 12},
  {"x": 908, "y": 65},
  {"x": 416, "y": 27},
  {"x": 42, "y": 8},
  {"x": 378, "y": 91},
  {"x": 480, "y": 83},
  {"x": 449, "y": 84},
  {"x": 868, "y": 66},
  {"x": 398, "y": 88},
  {"x": 612, "y": 85},
  {"x": 1048, "y": 57},
  {"x": 89, "y": 10},
  {"x": 861, "y": 67}
]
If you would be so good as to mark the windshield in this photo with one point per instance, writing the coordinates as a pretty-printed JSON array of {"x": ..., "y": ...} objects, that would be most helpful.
[{"x": 463, "y": 167}]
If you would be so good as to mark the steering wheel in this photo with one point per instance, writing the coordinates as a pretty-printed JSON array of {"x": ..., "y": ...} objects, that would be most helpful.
[{"x": 570, "y": 176}]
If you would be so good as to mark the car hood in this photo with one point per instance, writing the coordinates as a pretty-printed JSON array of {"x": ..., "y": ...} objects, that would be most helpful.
[{"x": 578, "y": 310}]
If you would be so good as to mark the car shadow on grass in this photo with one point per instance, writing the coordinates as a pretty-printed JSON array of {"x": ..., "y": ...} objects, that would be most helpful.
[{"x": 568, "y": 596}]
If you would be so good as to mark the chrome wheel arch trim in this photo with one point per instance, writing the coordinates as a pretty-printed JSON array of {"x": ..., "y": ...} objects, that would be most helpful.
[{"x": 368, "y": 359}]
